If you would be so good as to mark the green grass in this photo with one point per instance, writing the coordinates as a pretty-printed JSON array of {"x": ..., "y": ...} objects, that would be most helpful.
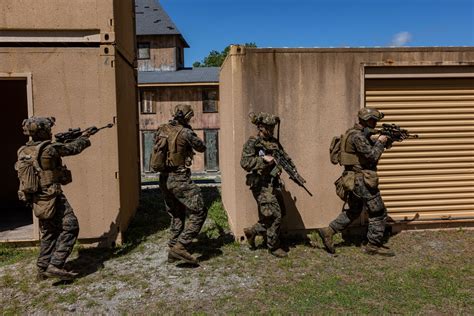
[
  {"x": 11, "y": 254},
  {"x": 68, "y": 298},
  {"x": 406, "y": 291},
  {"x": 432, "y": 273}
]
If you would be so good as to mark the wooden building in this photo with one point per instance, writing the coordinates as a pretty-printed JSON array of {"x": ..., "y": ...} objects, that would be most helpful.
[{"x": 163, "y": 83}]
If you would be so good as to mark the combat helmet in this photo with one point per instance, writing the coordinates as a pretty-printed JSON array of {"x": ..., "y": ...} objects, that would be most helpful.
[
  {"x": 263, "y": 118},
  {"x": 38, "y": 127},
  {"x": 368, "y": 113},
  {"x": 183, "y": 111}
]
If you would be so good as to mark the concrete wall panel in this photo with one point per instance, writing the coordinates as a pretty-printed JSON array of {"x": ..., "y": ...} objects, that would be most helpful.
[
  {"x": 81, "y": 87},
  {"x": 127, "y": 124},
  {"x": 317, "y": 93},
  {"x": 67, "y": 84},
  {"x": 56, "y": 14}
]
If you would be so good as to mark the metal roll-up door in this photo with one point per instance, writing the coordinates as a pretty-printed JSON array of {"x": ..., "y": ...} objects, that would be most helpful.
[{"x": 434, "y": 174}]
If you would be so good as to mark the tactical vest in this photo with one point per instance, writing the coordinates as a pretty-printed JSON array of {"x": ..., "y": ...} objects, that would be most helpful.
[
  {"x": 49, "y": 168},
  {"x": 349, "y": 156},
  {"x": 178, "y": 151}
]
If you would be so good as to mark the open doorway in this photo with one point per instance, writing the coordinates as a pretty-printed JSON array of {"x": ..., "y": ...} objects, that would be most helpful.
[{"x": 16, "y": 220}]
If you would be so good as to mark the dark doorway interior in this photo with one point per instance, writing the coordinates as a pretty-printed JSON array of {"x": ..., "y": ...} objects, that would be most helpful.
[{"x": 16, "y": 220}]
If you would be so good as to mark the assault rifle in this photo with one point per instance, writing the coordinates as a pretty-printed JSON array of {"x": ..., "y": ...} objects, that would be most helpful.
[
  {"x": 73, "y": 133},
  {"x": 281, "y": 159},
  {"x": 395, "y": 132}
]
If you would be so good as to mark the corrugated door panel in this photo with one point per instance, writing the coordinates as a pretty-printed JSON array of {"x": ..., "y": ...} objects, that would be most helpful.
[{"x": 434, "y": 174}]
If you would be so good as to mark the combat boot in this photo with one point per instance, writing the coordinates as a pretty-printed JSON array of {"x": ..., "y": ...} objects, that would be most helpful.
[
  {"x": 171, "y": 257},
  {"x": 279, "y": 253},
  {"x": 250, "y": 234},
  {"x": 40, "y": 275},
  {"x": 179, "y": 252},
  {"x": 55, "y": 272},
  {"x": 372, "y": 249},
  {"x": 326, "y": 234}
]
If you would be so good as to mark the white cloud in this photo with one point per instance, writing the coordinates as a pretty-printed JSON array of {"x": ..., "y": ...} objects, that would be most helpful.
[{"x": 400, "y": 39}]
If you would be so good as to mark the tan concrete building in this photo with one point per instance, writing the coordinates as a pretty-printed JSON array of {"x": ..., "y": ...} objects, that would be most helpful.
[
  {"x": 164, "y": 82},
  {"x": 317, "y": 93},
  {"x": 72, "y": 60}
]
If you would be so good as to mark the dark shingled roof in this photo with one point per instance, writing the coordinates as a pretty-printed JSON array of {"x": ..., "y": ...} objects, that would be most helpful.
[
  {"x": 151, "y": 19},
  {"x": 187, "y": 75}
]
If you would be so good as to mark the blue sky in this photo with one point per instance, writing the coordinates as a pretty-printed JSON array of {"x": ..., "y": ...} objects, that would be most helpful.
[{"x": 213, "y": 24}]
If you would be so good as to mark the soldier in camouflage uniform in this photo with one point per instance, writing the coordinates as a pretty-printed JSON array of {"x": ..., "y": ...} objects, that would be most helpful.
[
  {"x": 59, "y": 228},
  {"x": 264, "y": 181},
  {"x": 180, "y": 193},
  {"x": 361, "y": 150}
]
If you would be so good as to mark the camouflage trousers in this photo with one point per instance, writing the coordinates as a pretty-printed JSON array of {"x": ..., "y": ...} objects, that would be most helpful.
[
  {"x": 271, "y": 209},
  {"x": 183, "y": 197},
  {"x": 364, "y": 197},
  {"x": 58, "y": 235}
]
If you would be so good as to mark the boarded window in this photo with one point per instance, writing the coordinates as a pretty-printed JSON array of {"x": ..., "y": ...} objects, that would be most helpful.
[
  {"x": 143, "y": 50},
  {"x": 209, "y": 101},
  {"x": 211, "y": 158},
  {"x": 147, "y": 144},
  {"x": 180, "y": 56},
  {"x": 147, "y": 104}
]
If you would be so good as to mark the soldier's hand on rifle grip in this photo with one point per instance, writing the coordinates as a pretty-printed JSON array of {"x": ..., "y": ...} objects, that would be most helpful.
[
  {"x": 268, "y": 159},
  {"x": 374, "y": 137},
  {"x": 383, "y": 139}
]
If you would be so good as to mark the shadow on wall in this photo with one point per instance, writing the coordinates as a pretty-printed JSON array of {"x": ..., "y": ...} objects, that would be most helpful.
[{"x": 293, "y": 217}]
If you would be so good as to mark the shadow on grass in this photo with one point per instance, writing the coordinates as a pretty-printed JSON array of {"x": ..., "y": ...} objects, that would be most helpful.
[
  {"x": 216, "y": 232},
  {"x": 152, "y": 218}
]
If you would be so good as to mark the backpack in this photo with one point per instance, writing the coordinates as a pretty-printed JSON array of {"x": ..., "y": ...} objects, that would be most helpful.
[
  {"x": 338, "y": 151},
  {"x": 335, "y": 150},
  {"x": 164, "y": 147},
  {"x": 28, "y": 170}
]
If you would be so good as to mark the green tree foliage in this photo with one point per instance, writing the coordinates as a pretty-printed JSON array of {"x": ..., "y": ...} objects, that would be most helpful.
[{"x": 215, "y": 58}]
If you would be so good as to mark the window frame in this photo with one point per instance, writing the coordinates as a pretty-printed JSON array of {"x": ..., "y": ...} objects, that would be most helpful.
[
  {"x": 147, "y": 47},
  {"x": 147, "y": 102},
  {"x": 206, "y": 100}
]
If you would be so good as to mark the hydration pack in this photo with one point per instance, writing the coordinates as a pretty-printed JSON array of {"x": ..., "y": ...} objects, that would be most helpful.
[
  {"x": 28, "y": 170},
  {"x": 165, "y": 148},
  {"x": 335, "y": 150}
]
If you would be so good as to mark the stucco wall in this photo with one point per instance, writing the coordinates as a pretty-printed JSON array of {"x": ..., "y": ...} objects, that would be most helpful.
[
  {"x": 83, "y": 86},
  {"x": 56, "y": 14},
  {"x": 317, "y": 93}
]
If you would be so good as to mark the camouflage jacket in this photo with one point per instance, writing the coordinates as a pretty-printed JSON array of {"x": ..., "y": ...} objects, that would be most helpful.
[
  {"x": 252, "y": 156},
  {"x": 54, "y": 173},
  {"x": 362, "y": 146},
  {"x": 50, "y": 157}
]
